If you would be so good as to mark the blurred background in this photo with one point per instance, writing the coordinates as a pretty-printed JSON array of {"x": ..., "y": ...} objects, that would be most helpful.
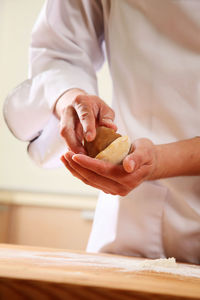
[{"x": 38, "y": 207}]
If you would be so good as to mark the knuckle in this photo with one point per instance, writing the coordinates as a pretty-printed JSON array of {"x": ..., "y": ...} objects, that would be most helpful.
[
  {"x": 123, "y": 193},
  {"x": 78, "y": 100},
  {"x": 107, "y": 192},
  {"x": 63, "y": 131},
  {"x": 83, "y": 110},
  {"x": 85, "y": 115},
  {"x": 109, "y": 114},
  {"x": 112, "y": 113},
  {"x": 106, "y": 111},
  {"x": 113, "y": 193}
]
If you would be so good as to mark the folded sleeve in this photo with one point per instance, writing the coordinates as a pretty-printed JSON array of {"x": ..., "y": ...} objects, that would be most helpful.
[{"x": 65, "y": 52}]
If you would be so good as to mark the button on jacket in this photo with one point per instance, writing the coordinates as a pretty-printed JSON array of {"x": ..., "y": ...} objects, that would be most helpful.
[{"x": 153, "y": 51}]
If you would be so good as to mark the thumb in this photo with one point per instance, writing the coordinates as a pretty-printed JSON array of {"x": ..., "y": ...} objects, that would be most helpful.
[
  {"x": 140, "y": 155},
  {"x": 129, "y": 163}
]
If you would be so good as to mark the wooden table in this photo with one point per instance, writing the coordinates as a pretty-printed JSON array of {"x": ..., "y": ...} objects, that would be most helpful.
[{"x": 38, "y": 273}]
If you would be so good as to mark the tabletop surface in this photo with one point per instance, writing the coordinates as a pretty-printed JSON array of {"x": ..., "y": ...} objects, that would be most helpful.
[{"x": 135, "y": 276}]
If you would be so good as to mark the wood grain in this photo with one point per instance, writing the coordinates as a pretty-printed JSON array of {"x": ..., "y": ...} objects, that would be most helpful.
[
  {"x": 44, "y": 273},
  {"x": 17, "y": 289}
]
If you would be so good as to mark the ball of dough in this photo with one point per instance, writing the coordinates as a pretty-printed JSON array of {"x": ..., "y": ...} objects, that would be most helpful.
[
  {"x": 116, "y": 151},
  {"x": 104, "y": 137},
  {"x": 108, "y": 145}
]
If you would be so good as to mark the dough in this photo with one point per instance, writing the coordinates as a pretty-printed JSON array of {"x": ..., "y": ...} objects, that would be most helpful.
[
  {"x": 104, "y": 137},
  {"x": 108, "y": 145},
  {"x": 116, "y": 151}
]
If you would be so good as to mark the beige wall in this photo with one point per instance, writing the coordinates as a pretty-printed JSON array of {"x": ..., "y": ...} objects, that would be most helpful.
[
  {"x": 44, "y": 227},
  {"x": 16, "y": 169}
]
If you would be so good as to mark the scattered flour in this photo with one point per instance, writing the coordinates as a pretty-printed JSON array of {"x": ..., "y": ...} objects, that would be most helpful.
[
  {"x": 121, "y": 264},
  {"x": 161, "y": 262}
]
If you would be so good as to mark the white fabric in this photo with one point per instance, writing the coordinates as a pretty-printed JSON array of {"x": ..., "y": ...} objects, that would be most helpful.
[{"x": 153, "y": 49}]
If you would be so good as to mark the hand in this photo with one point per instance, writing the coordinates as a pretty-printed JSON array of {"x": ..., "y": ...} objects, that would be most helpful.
[
  {"x": 115, "y": 179},
  {"x": 79, "y": 113}
]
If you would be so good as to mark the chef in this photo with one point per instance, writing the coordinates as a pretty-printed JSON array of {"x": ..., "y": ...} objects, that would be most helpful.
[{"x": 149, "y": 206}]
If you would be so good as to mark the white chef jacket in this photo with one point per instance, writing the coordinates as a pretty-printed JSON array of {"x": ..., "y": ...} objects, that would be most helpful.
[{"x": 153, "y": 51}]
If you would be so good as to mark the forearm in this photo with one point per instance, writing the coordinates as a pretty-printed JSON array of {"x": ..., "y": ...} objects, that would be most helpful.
[{"x": 177, "y": 159}]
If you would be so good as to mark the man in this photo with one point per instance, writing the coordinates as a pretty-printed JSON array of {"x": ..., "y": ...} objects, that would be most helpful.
[{"x": 150, "y": 205}]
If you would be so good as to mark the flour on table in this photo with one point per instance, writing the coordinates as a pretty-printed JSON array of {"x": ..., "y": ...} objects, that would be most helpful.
[
  {"x": 120, "y": 264},
  {"x": 161, "y": 262}
]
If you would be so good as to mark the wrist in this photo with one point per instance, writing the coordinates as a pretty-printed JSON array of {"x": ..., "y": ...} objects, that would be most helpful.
[{"x": 159, "y": 171}]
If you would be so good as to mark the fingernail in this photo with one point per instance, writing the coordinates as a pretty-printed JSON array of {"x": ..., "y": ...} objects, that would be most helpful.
[
  {"x": 63, "y": 159},
  {"x": 131, "y": 166},
  {"x": 66, "y": 156},
  {"x": 75, "y": 158},
  {"x": 88, "y": 136}
]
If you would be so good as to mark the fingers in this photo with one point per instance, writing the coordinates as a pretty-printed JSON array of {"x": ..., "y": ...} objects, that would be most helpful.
[
  {"x": 105, "y": 169},
  {"x": 86, "y": 115},
  {"x": 77, "y": 175},
  {"x": 79, "y": 132},
  {"x": 115, "y": 179},
  {"x": 68, "y": 131},
  {"x": 92, "y": 110},
  {"x": 124, "y": 182},
  {"x": 94, "y": 179},
  {"x": 118, "y": 173},
  {"x": 79, "y": 114},
  {"x": 106, "y": 116}
]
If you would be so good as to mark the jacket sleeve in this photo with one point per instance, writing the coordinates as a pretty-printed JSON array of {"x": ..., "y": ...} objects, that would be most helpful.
[{"x": 65, "y": 52}]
